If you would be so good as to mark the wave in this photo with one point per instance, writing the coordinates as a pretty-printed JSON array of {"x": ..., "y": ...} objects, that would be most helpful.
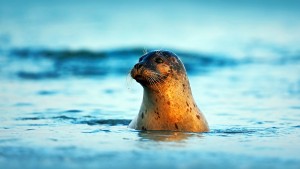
[
  {"x": 109, "y": 122},
  {"x": 39, "y": 64},
  {"x": 79, "y": 120}
]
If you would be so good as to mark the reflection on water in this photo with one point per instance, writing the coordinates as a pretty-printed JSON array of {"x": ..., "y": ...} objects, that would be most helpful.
[{"x": 165, "y": 136}]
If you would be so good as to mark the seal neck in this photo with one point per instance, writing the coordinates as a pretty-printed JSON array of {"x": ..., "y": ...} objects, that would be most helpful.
[{"x": 175, "y": 91}]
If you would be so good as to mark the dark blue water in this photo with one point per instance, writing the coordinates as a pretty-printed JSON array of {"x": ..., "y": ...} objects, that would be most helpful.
[{"x": 66, "y": 98}]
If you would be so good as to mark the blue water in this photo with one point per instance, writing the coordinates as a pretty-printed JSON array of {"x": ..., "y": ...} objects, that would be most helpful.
[{"x": 66, "y": 98}]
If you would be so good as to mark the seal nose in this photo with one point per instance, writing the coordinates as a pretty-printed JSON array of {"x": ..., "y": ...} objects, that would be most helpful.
[{"x": 138, "y": 66}]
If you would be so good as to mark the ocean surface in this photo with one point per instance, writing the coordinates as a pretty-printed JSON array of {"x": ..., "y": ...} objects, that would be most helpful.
[{"x": 66, "y": 97}]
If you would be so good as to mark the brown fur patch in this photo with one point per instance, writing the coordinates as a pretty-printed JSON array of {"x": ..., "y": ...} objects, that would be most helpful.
[
  {"x": 176, "y": 126},
  {"x": 158, "y": 116}
]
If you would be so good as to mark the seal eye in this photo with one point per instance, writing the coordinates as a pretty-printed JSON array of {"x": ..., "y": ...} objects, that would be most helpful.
[{"x": 159, "y": 60}]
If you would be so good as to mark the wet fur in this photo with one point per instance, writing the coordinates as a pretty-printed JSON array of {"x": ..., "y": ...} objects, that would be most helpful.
[{"x": 168, "y": 103}]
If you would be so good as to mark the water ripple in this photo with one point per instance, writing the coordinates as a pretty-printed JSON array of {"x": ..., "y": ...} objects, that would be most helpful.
[
  {"x": 109, "y": 122},
  {"x": 81, "y": 120},
  {"x": 234, "y": 131}
]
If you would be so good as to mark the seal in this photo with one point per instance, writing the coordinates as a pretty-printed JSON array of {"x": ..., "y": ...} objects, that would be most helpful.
[{"x": 168, "y": 103}]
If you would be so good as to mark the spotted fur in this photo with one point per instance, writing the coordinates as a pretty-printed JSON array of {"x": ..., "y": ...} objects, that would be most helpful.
[{"x": 167, "y": 97}]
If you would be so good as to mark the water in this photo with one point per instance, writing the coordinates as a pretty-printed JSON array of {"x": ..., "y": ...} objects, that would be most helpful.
[
  {"x": 68, "y": 104},
  {"x": 57, "y": 116}
]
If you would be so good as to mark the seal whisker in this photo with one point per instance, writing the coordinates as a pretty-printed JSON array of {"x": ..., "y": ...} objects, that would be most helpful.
[
  {"x": 158, "y": 85},
  {"x": 128, "y": 80},
  {"x": 159, "y": 76},
  {"x": 149, "y": 80},
  {"x": 155, "y": 83},
  {"x": 157, "y": 73}
]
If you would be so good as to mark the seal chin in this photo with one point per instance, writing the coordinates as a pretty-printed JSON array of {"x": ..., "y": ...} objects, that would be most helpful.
[
  {"x": 137, "y": 75},
  {"x": 140, "y": 79}
]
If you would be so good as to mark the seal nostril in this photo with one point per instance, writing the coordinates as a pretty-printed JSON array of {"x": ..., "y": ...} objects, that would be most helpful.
[{"x": 137, "y": 66}]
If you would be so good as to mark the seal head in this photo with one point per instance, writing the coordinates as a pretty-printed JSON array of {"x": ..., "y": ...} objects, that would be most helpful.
[
  {"x": 168, "y": 103},
  {"x": 154, "y": 67}
]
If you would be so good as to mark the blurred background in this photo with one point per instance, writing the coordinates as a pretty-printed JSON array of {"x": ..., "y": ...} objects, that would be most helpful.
[
  {"x": 233, "y": 28},
  {"x": 66, "y": 98}
]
